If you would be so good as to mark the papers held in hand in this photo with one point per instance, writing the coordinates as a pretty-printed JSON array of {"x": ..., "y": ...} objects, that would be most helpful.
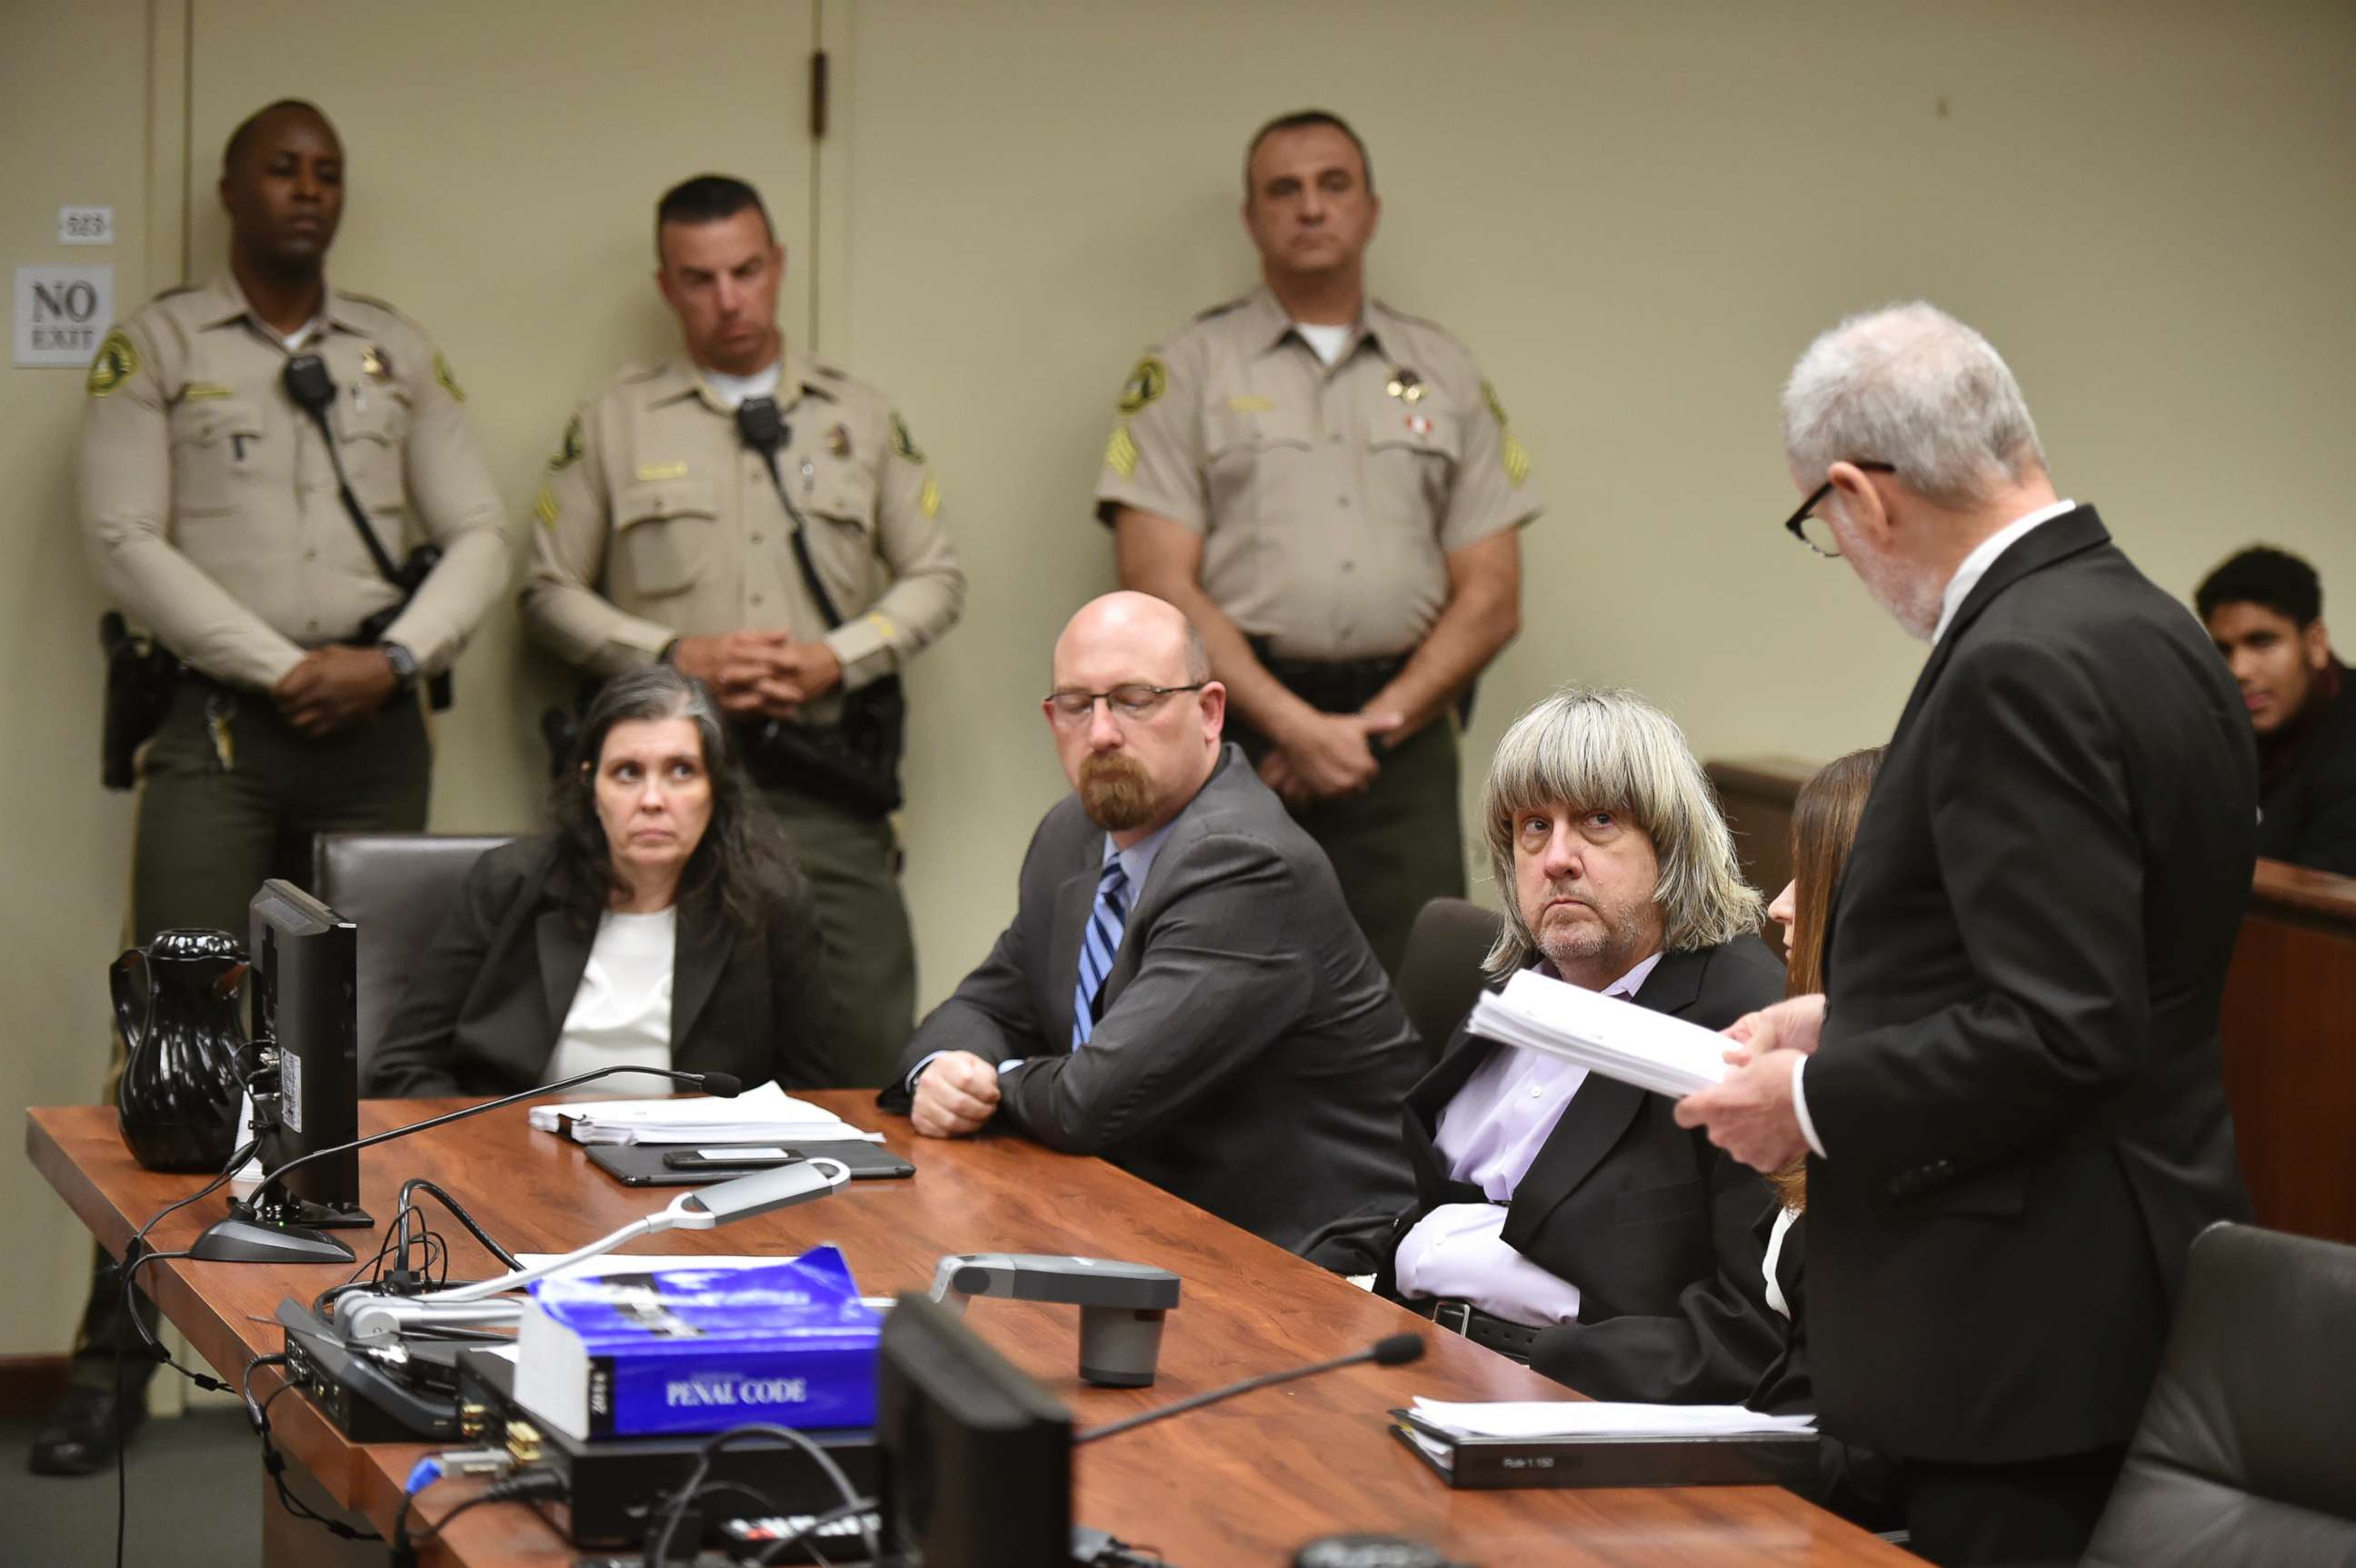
[
  {"x": 1602, "y": 1034},
  {"x": 764, "y": 1116}
]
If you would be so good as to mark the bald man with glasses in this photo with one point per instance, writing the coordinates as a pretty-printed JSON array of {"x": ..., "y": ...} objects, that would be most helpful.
[{"x": 1182, "y": 991}]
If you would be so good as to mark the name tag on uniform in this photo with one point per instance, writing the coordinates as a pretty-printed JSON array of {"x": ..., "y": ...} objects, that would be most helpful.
[
  {"x": 197, "y": 390},
  {"x": 662, "y": 470},
  {"x": 1245, "y": 404}
]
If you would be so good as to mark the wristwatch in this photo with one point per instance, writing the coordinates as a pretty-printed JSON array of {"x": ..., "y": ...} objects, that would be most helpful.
[{"x": 403, "y": 663}]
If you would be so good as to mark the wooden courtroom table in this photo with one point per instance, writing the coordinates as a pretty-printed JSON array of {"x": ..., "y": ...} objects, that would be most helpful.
[
  {"x": 1240, "y": 1484},
  {"x": 2289, "y": 1021}
]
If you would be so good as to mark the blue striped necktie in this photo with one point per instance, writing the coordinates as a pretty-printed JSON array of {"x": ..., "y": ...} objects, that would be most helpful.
[{"x": 1101, "y": 940}]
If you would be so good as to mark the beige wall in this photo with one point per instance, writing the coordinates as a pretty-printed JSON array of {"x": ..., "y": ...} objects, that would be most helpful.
[
  {"x": 73, "y": 132},
  {"x": 1635, "y": 214}
]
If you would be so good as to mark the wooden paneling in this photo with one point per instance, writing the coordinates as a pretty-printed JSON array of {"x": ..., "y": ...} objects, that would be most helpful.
[
  {"x": 1239, "y": 1484},
  {"x": 2288, "y": 1022},
  {"x": 2289, "y": 1026}
]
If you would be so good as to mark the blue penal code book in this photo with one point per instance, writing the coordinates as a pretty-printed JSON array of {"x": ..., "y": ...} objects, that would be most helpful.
[{"x": 688, "y": 1350}]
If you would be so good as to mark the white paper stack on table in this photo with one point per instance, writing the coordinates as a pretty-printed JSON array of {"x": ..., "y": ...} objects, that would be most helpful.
[
  {"x": 1602, "y": 1034},
  {"x": 1598, "y": 1418},
  {"x": 764, "y": 1116}
]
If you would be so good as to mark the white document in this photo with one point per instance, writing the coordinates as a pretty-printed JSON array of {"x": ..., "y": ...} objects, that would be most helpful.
[
  {"x": 1598, "y": 1418},
  {"x": 764, "y": 1116},
  {"x": 1604, "y": 1033}
]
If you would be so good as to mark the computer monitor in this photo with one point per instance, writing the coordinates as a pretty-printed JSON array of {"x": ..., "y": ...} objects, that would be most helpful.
[
  {"x": 975, "y": 1458},
  {"x": 305, "y": 1002}
]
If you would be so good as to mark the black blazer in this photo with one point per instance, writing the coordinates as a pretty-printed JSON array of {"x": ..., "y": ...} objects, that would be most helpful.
[
  {"x": 483, "y": 1013},
  {"x": 2310, "y": 813},
  {"x": 2018, "y": 1081},
  {"x": 1857, "y": 1483},
  {"x": 1657, "y": 1227},
  {"x": 1250, "y": 1056}
]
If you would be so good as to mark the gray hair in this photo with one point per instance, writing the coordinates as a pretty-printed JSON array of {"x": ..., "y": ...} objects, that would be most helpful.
[
  {"x": 1911, "y": 386},
  {"x": 1611, "y": 750}
]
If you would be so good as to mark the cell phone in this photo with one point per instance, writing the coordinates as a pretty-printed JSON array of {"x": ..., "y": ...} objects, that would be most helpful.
[{"x": 754, "y": 1159}]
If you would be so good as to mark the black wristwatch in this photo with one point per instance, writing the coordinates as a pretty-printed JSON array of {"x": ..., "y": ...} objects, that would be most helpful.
[{"x": 403, "y": 663}]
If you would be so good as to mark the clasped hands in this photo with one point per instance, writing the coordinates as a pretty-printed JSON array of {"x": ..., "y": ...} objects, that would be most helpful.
[
  {"x": 1750, "y": 1113},
  {"x": 760, "y": 672},
  {"x": 334, "y": 686},
  {"x": 1325, "y": 755}
]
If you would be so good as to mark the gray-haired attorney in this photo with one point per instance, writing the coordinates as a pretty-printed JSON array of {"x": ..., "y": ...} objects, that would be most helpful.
[
  {"x": 1563, "y": 1218},
  {"x": 1182, "y": 990},
  {"x": 2014, "y": 1107}
]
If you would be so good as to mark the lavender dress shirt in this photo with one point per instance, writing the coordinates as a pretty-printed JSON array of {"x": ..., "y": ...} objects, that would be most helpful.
[{"x": 1490, "y": 1135}]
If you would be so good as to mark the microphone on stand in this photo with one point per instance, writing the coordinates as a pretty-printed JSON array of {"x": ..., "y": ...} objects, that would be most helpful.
[
  {"x": 253, "y": 1232},
  {"x": 1394, "y": 1350}
]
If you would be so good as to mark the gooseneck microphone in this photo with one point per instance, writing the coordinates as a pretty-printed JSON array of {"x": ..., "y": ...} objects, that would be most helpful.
[
  {"x": 249, "y": 1236},
  {"x": 1394, "y": 1350}
]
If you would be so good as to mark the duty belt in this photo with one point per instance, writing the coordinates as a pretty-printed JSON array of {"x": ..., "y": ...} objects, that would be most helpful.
[{"x": 1331, "y": 685}]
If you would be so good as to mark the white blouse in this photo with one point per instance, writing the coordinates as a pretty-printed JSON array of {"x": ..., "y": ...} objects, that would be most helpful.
[{"x": 621, "y": 1015}]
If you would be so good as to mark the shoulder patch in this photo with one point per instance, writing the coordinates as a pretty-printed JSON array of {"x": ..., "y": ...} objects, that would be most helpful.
[
  {"x": 117, "y": 362},
  {"x": 568, "y": 447},
  {"x": 449, "y": 382},
  {"x": 903, "y": 443},
  {"x": 1120, "y": 451},
  {"x": 1147, "y": 382},
  {"x": 1511, "y": 452}
]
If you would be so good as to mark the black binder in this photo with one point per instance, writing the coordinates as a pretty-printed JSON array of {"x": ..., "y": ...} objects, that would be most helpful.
[{"x": 1490, "y": 1464}]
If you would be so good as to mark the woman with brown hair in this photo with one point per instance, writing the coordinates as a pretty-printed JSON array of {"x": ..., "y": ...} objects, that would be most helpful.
[{"x": 1851, "y": 1481}]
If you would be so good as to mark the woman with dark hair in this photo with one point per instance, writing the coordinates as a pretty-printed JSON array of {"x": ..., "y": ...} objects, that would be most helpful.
[
  {"x": 1851, "y": 1481},
  {"x": 661, "y": 924}
]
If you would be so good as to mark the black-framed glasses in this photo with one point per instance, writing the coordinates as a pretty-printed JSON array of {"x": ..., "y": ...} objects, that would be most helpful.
[
  {"x": 1820, "y": 537},
  {"x": 1132, "y": 700}
]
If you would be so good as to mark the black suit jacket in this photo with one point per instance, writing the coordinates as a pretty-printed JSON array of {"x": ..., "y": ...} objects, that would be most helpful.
[
  {"x": 2310, "y": 810},
  {"x": 483, "y": 1013},
  {"x": 1657, "y": 1227},
  {"x": 1857, "y": 1483},
  {"x": 1250, "y": 1056},
  {"x": 2018, "y": 1081}
]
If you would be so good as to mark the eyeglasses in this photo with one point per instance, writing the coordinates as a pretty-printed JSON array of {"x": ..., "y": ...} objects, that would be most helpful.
[
  {"x": 1134, "y": 700},
  {"x": 1799, "y": 522}
]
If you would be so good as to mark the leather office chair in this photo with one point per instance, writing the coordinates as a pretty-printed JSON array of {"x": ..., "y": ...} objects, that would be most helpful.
[
  {"x": 2246, "y": 1455},
  {"x": 397, "y": 888},
  {"x": 1439, "y": 974}
]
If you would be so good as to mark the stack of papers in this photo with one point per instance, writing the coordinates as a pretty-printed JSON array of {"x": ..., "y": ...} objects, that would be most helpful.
[
  {"x": 1597, "y": 1418},
  {"x": 764, "y": 1116},
  {"x": 1604, "y": 1033}
]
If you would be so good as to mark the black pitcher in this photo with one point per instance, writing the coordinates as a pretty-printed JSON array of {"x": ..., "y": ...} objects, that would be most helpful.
[{"x": 179, "y": 1094}]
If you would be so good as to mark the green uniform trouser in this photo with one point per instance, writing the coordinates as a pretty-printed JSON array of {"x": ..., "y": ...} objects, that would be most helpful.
[
  {"x": 209, "y": 835},
  {"x": 1398, "y": 845},
  {"x": 866, "y": 952}
]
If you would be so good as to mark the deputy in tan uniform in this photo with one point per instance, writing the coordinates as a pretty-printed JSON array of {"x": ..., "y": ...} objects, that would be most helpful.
[
  {"x": 1331, "y": 492},
  {"x": 210, "y": 509},
  {"x": 662, "y": 534}
]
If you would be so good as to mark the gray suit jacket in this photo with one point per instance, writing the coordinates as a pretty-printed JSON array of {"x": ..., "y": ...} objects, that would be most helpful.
[{"x": 1250, "y": 1056}]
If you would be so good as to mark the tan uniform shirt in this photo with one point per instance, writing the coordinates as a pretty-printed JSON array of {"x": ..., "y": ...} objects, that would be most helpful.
[
  {"x": 209, "y": 499},
  {"x": 1328, "y": 500},
  {"x": 657, "y": 521}
]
